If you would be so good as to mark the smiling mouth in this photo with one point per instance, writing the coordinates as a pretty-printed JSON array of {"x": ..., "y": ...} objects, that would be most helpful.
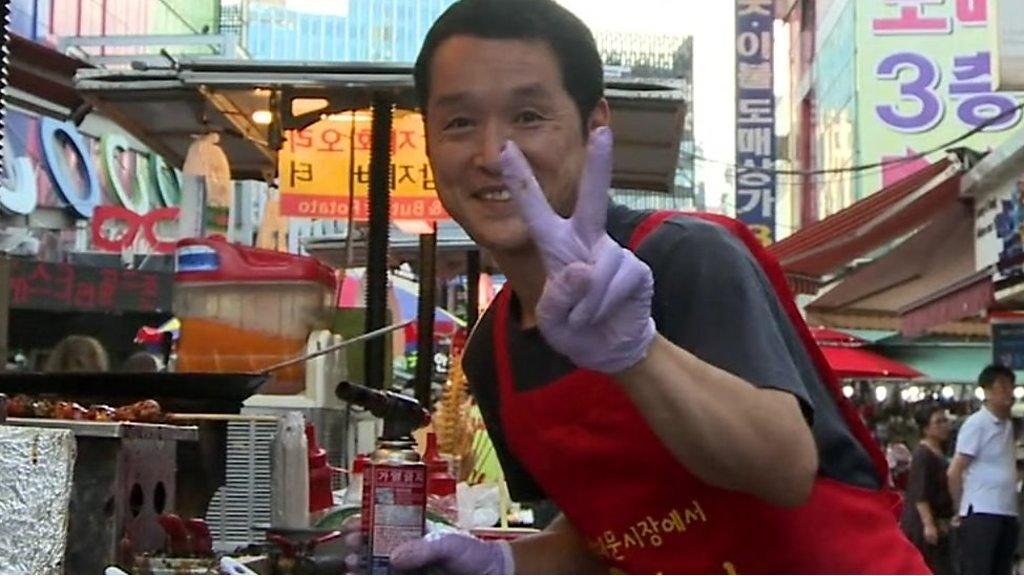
[{"x": 493, "y": 195}]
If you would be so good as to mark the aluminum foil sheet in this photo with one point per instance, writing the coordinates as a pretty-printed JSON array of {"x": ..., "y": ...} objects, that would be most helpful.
[{"x": 36, "y": 467}]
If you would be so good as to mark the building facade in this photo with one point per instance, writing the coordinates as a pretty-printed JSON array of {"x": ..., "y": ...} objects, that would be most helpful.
[
  {"x": 372, "y": 31},
  {"x": 48, "y": 21},
  {"x": 68, "y": 165},
  {"x": 658, "y": 57},
  {"x": 881, "y": 83}
]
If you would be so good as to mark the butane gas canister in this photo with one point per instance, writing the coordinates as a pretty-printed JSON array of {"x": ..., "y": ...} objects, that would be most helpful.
[{"x": 394, "y": 501}]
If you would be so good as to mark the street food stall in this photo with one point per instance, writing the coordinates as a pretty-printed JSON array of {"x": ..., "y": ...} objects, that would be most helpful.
[
  {"x": 137, "y": 457},
  {"x": 223, "y": 421}
]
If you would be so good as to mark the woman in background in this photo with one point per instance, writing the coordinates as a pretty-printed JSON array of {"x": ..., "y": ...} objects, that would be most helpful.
[
  {"x": 928, "y": 505},
  {"x": 77, "y": 353}
]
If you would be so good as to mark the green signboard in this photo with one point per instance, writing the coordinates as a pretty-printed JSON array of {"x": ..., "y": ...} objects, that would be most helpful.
[{"x": 924, "y": 78}]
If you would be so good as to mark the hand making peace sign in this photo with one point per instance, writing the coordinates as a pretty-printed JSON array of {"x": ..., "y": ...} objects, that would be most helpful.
[{"x": 596, "y": 304}]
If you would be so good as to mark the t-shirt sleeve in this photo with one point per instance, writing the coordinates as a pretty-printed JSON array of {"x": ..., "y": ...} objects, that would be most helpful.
[
  {"x": 713, "y": 299},
  {"x": 917, "y": 480},
  {"x": 968, "y": 441}
]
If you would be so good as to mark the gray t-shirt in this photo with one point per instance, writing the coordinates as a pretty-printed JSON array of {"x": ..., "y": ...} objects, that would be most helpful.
[{"x": 711, "y": 298}]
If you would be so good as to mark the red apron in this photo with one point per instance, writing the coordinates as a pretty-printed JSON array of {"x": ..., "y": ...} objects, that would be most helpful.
[{"x": 591, "y": 451}]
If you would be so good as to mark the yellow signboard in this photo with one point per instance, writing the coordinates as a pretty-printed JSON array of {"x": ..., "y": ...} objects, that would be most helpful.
[{"x": 321, "y": 163}]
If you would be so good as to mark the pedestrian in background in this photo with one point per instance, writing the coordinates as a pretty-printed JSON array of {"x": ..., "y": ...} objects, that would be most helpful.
[
  {"x": 983, "y": 480},
  {"x": 929, "y": 506},
  {"x": 77, "y": 353}
]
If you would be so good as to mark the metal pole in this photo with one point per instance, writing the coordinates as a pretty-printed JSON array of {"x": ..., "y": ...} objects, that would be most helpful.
[
  {"x": 333, "y": 347},
  {"x": 425, "y": 317},
  {"x": 5, "y": 37},
  {"x": 5, "y": 308},
  {"x": 377, "y": 250},
  {"x": 472, "y": 288}
]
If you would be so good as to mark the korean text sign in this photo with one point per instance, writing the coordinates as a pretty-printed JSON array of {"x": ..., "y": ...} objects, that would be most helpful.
[
  {"x": 49, "y": 286},
  {"x": 755, "y": 118},
  {"x": 318, "y": 164},
  {"x": 925, "y": 78}
]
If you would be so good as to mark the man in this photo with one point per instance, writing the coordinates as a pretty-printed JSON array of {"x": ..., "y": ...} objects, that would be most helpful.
[
  {"x": 983, "y": 480},
  {"x": 663, "y": 401}
]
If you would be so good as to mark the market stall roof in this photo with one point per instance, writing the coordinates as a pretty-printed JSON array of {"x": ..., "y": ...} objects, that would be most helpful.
[
  {"x": 927, "y": 281},
  {"x": 827, "y": 245},
  {"x": 851, "y": 362},
  {"x": 946, "y": 362},
  {"x": 164, "y": 107},
  {"x": 42, "y": 72}
]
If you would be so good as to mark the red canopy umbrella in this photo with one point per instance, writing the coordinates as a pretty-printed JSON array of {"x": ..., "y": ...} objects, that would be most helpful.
[{"x": 851, "y": 362}]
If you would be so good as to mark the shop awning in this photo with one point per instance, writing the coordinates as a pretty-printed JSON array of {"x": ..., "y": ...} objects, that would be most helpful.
[
  {"x": 970, "y": 297},
  {"x": 43, "y": 73},
  {"x": 828, "y": 245},
  {"x": 853, "y": 362},
  {"x": 163, "y": 108},
  {"x": 946, "y": 362},
  {"x": 924, "y": 283}
]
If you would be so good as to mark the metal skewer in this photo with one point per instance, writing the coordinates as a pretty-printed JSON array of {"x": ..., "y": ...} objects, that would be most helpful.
[{"x": 304, "y": 357}]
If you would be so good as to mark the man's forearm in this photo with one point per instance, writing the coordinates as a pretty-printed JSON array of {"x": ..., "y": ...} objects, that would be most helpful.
[
  {"x": 723, "y": 429},
  {"x": 557, "y": 550}
]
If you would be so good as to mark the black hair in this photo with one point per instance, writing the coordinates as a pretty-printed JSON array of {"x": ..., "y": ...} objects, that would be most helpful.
[
  {"x": 993, "y": 372},
  {"x": 568, "y": 37},
  {"x": 923, "y": 415}
]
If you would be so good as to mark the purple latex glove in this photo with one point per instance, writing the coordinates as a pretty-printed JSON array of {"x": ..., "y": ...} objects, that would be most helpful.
[
  {"x": 454, "y": 554},
  {"x": 596, "y": 304}
]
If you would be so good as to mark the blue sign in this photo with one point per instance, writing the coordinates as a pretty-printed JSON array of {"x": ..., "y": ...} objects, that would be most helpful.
[
  {"x": 1008, "y": 342},
  {"x": 755, "y": 118}
]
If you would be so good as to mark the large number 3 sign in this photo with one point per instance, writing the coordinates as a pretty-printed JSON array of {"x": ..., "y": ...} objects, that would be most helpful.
[{"x": 920, "y": 79}]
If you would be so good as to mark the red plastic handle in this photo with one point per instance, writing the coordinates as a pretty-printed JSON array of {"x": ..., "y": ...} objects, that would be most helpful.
[
  {"x": 202, "y": 541},
  {"x": 177, "y": 534}
]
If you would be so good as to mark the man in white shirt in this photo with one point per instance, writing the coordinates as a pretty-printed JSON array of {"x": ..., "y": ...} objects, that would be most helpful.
[{"x": 983, "y": 480}]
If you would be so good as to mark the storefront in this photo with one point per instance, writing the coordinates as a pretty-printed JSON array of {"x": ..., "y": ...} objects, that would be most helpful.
[
  {"x": 89, "y": 216},
  {"x": 996, "y": 185},
  {"x": 899, "y": 267},
  {"x": 161, "y": 112}
]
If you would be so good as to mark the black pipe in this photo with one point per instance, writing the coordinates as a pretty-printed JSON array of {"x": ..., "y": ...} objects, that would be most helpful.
[
  {"x": 472, "y": 288},
  {"x": 377, "y": 251},
  {"x": 425, "y": 317}
]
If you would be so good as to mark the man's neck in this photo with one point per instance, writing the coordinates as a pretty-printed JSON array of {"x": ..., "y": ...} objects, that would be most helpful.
[
  {"x": 997, "y": 412},
  {"x": 525, "y": 273}
]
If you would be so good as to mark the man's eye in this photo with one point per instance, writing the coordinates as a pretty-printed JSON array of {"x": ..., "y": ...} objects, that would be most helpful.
[
  {"x": 528, "y": 117},
  {"x": 458, "y": 124}
]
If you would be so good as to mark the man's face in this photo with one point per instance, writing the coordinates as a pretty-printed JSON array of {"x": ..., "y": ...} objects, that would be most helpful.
[
  {"x": 1000, "y": 393},
  {"x": 484, "y": 92}
]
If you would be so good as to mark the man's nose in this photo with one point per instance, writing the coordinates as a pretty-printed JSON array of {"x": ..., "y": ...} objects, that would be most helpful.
[{"x": 492, "y": 141}]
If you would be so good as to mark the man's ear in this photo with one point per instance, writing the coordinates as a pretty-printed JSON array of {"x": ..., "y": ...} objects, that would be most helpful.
[{"x": 600, "y": 116}]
